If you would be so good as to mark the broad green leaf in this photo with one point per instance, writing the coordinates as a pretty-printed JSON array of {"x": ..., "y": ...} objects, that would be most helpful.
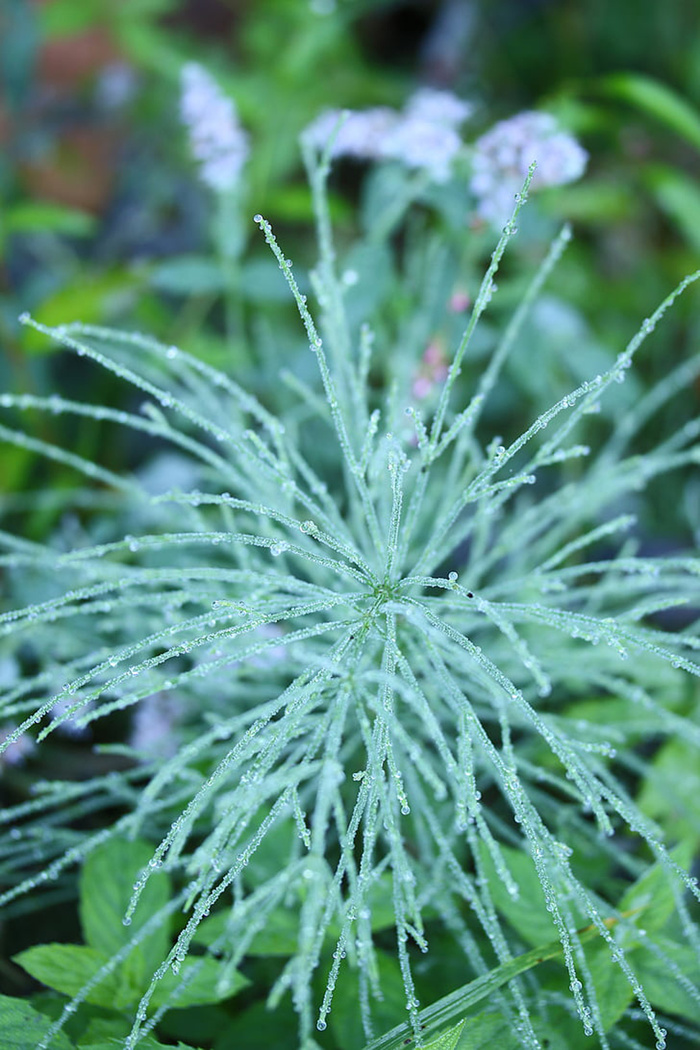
[
  {"x": 345, "y": 1020},
  {"x": 90, "y": 298},
  {"x": 448, "y": 1040},
  {"x": 68, "y": 967},
  {"x": 262, "y": 282},
  {"x": 144, "y": 1044},
  {"x": 661, "y": 983},
  {"x": 527, "y": 913},
  {"x": 671, "y": 790},
  {"x": 678, "y": 195},
  {"x": 42, "y": 217},
  {"x": 103, "y": 1029},
  {"x": 22, "y": 1027},
  {"x": 65, "y": 17},
  {"x": 279, "y": 936},
  {"x": 653, "y": 892},
  {"x": 273, "y": 851},
  {"x": 210, "y": 983},
  {"x": 457, "y": 1003},
  {"x": 486, "y": 1030},
  {"x": 658, "y": 100},
  {"x": 258, "y": 1028},
  {"x": 613, "y": 991},
  {"x": 189, "y": 275},
  {"x": 106, "y": 886},
  {"x": 373, "y": 266}
]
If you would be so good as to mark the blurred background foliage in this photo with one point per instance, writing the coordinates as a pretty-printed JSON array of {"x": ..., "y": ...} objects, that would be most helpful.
[{"x": 103, "y": 218}]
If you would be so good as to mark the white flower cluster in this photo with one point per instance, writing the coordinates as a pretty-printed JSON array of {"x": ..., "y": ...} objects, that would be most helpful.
[
  {"x": 423, "y": 136},
  {"x": 217, "y": 139},
  {"x": 502, "y": 158}
]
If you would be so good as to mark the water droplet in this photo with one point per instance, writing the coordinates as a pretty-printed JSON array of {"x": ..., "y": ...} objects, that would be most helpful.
[{"x": 258, "y": 218}]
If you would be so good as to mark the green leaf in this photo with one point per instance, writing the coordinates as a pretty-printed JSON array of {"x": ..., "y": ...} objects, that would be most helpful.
[
  {"x": 262, "y": 281},
  {"x": 68, "y": 967},
  {"x": 106, "y": 886},
  {"x": 613, "y": 991},
  {"x": 345, "y": 1020},
  {"x": 259, "y": 1028},
  {"x": 448, "y": 1040},
  {"x": 144, "y": 1044},
  {"x": 486, "y": 1030},
  {"x": 457, "y": 1003},
  {"x": 527, "y": 913},
  {"x": 211, "y": 983},
  {"x": 653, "y": 892},
  {"x": 660, "y": 982},
  {"x": 64, "y": 17},
  {"x": 90, "y": 299},
  {"x": 279, "y": 936},
  {"x": 671, "y": 790},
  {"x": 105, "y": 1029},
  {"x": 657, "y": 100},
  {"x": 23, "y": 1027},
  {"x": 42, "y": 217},
  {"x": 678, "y": 195},
  {"x": 189, "y": 275}
]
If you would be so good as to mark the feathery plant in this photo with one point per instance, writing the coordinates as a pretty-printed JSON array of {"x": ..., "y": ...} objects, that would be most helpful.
[{"x": 381, "y": 670}]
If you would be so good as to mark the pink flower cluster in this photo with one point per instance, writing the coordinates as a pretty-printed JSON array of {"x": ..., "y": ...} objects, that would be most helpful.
[{"x": 431, "y": 372}]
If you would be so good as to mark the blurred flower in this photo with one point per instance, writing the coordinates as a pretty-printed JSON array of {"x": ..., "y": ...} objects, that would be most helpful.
[
  {"x": 438, "y": 107},
  {"x": 460, "y": 301},
  {"x": 154, "y": 726},
  {"x": 504, "y": 154},
  {"x": 432, "y": 370},
  {"x": 419, "y": 143},
  {"x": 69, "y": 727},
  {"x": 423, "y": 136},
  {"x": 18, "y": 751},
  {"x": 357, "y": 134},
  {"x": 217, "y": 140},
  {"x": 116, "y": 86}
]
